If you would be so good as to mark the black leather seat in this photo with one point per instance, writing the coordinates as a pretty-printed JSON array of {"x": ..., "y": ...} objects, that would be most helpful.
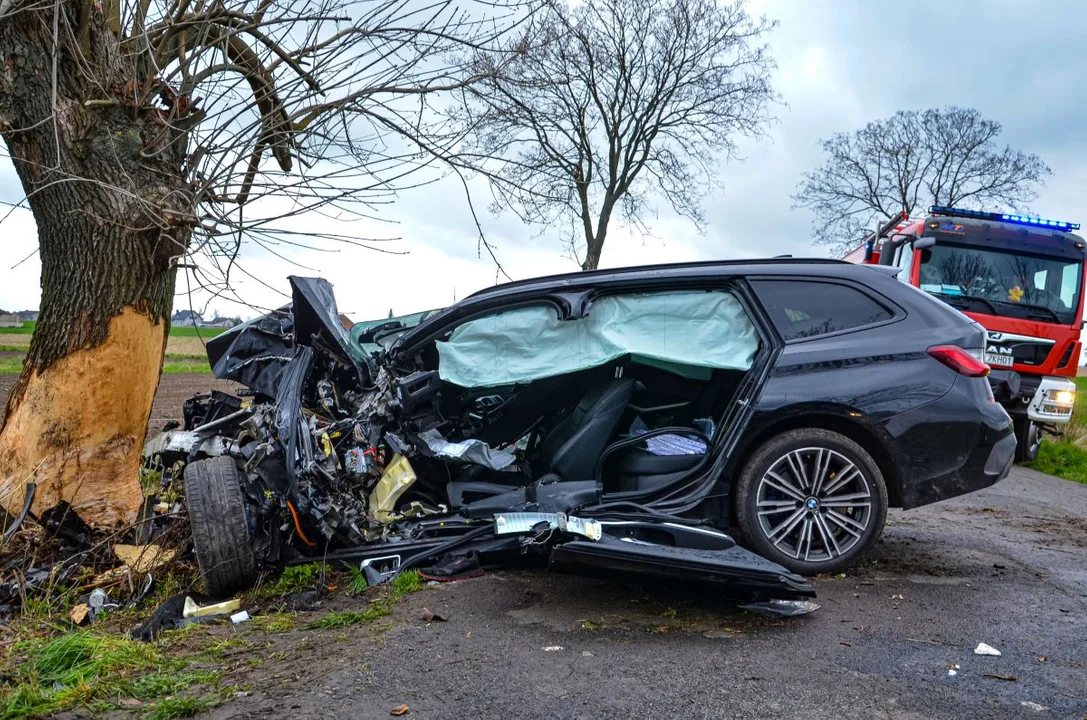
[
  {"x": 573, "y": 447},
  {"x": 569, "y": 452}
]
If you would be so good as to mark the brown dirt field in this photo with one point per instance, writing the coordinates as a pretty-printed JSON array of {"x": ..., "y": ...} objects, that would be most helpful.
[
  {"x": 174, "y": 346},
  {"x": 174, "y": 389}
]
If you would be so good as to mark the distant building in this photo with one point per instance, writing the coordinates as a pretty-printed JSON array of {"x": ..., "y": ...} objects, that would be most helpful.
[
  {"x": 186, "y": 318},
  {"x": 9, "y": 319},
  {"x": 28, "y": 315}
]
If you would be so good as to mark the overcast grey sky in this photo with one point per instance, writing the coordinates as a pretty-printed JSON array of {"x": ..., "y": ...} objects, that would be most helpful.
[{"x": 841, "y": 63}]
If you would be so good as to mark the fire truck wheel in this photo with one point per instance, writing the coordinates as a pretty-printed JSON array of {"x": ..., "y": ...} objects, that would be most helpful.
[
  {"x": 1028, "y": 440},
  {"x": 811, "y": 500}
]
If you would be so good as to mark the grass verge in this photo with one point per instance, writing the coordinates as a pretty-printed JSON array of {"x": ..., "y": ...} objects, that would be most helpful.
[
  {"x": 98, "y": 672},
  {"x": 1066, "y": 456}
]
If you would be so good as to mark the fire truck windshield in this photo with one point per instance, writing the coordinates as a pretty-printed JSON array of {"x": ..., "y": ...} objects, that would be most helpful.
[{"x": 1001, "y": 282}]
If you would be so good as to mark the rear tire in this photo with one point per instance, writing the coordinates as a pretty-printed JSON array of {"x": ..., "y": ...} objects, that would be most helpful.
[
  {"x": 811, "y": 500},
  {"x": 1028, "y": 440},
  {"x": 220, "y": 532}
]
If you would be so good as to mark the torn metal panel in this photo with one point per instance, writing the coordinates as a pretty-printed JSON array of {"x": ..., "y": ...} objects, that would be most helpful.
[
  {"x": 255, "y": 353},
  {"x": 468, "y": 451},
  {"x": 188, "y": 441}
]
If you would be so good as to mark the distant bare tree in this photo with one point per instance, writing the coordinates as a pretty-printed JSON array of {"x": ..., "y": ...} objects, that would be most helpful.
[
  {"x": 608, "y": 102},
  {"x": 910, "y": 161},
  {"x": 146, "y": 132}
]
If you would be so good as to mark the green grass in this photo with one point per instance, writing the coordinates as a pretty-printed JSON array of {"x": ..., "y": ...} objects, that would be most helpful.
[
  {"x": 83, "y": 669},
  {"x": 197, "y": 366},
  {"x": 1066, "y": 456},
  {"x": 196, "y": 332},
  {"x": 350, "y": 617},
  {"x": 26, "y": 329},
  {"x": 406, "y": 582},
  {"x": 293, "y": 579}
]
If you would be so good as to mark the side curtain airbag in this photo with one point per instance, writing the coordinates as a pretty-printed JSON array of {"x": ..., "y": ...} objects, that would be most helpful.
[{"x": 698, "y": 329}]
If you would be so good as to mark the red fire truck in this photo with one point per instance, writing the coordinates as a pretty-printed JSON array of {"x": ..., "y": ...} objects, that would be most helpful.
[{"x": 1022, "y": 279}]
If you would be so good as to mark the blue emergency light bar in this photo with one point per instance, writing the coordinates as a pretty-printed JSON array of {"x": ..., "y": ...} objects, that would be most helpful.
[{"x": 1005, "y": 217}]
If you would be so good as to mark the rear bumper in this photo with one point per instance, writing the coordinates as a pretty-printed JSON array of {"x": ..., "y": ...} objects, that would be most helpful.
[{"x": 959, "y": 444}]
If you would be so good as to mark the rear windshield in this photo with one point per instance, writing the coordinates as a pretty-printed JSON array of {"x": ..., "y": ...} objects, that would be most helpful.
[{"x": 999, "y": 282}]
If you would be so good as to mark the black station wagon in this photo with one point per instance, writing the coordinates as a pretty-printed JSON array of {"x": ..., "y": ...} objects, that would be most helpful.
[{"x": 626, "y": 421}]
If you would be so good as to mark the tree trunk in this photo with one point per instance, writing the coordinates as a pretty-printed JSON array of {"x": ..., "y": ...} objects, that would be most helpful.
[
  {"x": 104, "y": 183},
  {"x": 594, "y": 244}
]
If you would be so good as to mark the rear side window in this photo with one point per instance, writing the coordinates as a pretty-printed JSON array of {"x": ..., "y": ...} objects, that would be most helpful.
[{"x": 803, "y": 309}]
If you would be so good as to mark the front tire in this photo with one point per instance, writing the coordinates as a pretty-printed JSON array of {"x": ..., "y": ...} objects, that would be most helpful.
[
  {"x": 811, "y": 500},
  {"x": 1028, "y": 440},
  {"x": 220, "y": 533}
]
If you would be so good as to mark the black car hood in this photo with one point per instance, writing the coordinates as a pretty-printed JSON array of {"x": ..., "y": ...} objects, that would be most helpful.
[{"x": 256, "y": 353}]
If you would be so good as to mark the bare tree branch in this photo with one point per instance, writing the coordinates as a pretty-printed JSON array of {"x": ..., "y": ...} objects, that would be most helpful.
[
  {"x": 598, "y": 107},
  {"x": 910, "y": 161}
]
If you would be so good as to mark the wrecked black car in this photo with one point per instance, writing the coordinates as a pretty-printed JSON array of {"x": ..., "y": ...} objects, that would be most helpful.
[{"x": 611, "y": 422}]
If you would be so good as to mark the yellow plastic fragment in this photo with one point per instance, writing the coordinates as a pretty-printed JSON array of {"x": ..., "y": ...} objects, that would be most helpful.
[{"x": 396, "y": 479}]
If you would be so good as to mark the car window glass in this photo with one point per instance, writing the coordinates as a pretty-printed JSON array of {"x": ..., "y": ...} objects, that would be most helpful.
[{"x": 803, "y": 309}]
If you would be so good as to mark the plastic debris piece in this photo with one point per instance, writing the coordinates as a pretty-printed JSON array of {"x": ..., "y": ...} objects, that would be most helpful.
[
  {"x": 1034, "y": 706},
  {"x": 952, "y": 670},
  {"x": 144, "y": 558},
  {"x": 394, "y": 482},
  {"x": 79, "y": 613},
  {"x": 239, "y": 617},
  {"x": 983, "y": 649},
  {"x": 552, "y": 648},
  {"x": 782, "y": 608},
  {"x": 431, "y": 616},
  {"x": 98, "y": 600},
  {"x": 192, "y": 610},
  {"x": 399, "y": 710}
]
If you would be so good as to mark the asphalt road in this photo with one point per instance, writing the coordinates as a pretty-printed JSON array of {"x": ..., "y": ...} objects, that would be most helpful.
[{"x": 1006, "y": 566}]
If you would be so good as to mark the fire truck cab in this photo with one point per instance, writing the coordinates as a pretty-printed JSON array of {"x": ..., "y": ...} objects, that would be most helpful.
[{"x": 1022, "y": 279}]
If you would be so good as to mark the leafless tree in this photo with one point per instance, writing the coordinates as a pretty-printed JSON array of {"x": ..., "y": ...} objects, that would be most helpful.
[
  {"x": 146, "y": 132},
  {"x": 608, "y": 102},
  {"x": 910, "y": 161}
]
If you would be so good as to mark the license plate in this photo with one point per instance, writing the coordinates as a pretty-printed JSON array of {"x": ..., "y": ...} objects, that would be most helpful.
[{"x": 999, "y": 360}]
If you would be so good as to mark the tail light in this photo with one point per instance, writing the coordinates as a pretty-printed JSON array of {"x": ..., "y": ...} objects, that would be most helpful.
[{"x": 959, "y": 360}]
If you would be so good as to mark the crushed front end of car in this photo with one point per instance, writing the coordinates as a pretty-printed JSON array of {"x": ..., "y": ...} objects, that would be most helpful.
[{"x": 339, "y": 450}]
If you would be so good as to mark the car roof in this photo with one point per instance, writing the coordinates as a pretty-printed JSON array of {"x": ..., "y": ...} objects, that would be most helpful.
[{"x": 821, "y": 267}]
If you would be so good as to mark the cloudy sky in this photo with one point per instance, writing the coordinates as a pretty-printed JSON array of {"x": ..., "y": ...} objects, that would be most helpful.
[{"x": 841, "y": 63}]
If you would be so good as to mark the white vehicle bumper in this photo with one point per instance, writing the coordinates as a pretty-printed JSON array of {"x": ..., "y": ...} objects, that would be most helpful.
[{"x": 1053, "y": 402}]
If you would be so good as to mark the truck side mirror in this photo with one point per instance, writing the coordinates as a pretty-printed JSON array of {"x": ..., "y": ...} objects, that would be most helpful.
[{"x": 925, "y": 242}]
